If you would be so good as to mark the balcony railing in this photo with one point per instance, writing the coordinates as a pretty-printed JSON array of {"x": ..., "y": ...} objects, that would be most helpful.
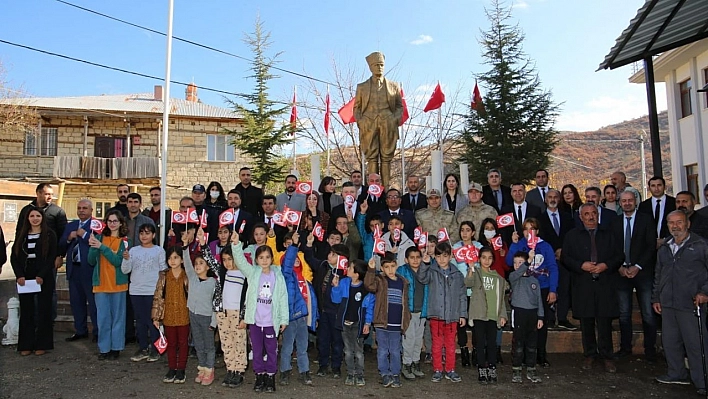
[{"x": 67, "y": 167}]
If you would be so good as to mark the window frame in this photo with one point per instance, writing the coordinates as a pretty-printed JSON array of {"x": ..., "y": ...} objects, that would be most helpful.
[
  {"x": 692, "y": 181},
  {"x": 43, "y": 144},
  {"x": 685, "y": 103},
  {"x": 219, "y": 148}
]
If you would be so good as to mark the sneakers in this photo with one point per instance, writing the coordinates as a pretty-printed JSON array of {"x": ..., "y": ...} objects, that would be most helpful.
[
  {"x": 305, "y": 378},
  {"x": 322, "y": 371},
  {"x": 516, "y": 376},
  {"x": 336, "y": 373},
  {"x": 180, "y": 377},
  {"x": 153, "y": 356},
  {"x": 350, "y": 380},
  {"x": 270, "y": 383},
  {"x": 208, "y": 376},
  {"x": 359, "y": 380},
  {"x": 665, "y": 379},
  {"x": 227, "y": 378},
  {"x": 260, "y": 384},
  {"x": 140, "y": 355},
  {"x": 387, "y": 381},
  {"x": 437, "y": 376},
  {"x": 170, "y": 376},
  {"x": 396, "y": 381},
  {"x": 285, "y": 377},
  {"x": 200, "y": 374},
  {"x": 492, "y": 374},
  {"x": 428, "y": 358},
  {"x": 407, "y": 372},
  {"x": 453, "y": 376},
  {"x": 532, "y": 376},
  {"x": 482, "y": 378},
  {"x": 236, "y": 379},
  {"x": 417, "y": 371}
]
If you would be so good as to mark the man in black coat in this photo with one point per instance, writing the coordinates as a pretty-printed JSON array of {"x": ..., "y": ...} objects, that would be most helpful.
[
  {"x": 605, "y": 216},
  {"x": 665, "y": 203},
  {"x": 494, "y": 193},
  {"x": 251, "y": 196},
  {"x": 393, "y": 203},
  {"x": 376, "y": 203},
  {"x": 413, "y": 199},
  {"x": 593, "y": 257},
  {"x": 521, "y": 209},
  {"x": 635, "y": 234},
  {"x": 233, "y": 199},
  {"x": 553, "y": 227}
]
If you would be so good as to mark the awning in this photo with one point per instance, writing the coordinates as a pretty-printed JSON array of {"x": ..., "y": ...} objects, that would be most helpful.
[{"x": 660, "y": 25}]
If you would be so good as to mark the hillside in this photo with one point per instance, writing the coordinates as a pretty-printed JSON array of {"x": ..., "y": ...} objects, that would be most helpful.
[{"x": 592, "y": 159}]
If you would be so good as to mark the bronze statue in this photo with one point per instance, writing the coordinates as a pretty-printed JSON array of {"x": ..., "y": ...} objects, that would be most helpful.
[{"x": 378, "y": 109}]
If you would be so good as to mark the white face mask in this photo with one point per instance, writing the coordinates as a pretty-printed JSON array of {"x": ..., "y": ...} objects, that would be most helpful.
[
  {"x": 214, "y": 194},
  {"x": 489, "y": 234}
]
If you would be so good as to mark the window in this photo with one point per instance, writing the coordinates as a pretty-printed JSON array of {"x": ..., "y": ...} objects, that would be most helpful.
[
  {"x": 44, "y": 145},
  {"x": 685, "y": 90},
  {"x": 110, "y": 147},
  {"x": 692, "y": 181},
  {"x": 219, "y": 148}
]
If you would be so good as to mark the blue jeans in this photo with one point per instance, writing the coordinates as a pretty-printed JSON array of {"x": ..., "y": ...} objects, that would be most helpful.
[
  {"x": 145, "y": 331},
  {"x": 388, "y": 352},
  {"x": 329, "y": 341},
  {"x": 295, "y": 333},
  {"x": 643, "y": 285},
  {"x": 110, "y": 311}
]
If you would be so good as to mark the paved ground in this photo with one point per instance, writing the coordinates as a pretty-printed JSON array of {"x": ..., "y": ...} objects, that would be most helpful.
[{"x": 72, "y": 371}]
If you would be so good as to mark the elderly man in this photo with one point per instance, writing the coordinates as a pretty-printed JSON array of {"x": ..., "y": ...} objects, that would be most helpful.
[
  {"x": 74, "y": 244},
  {"x": 378, "y": 107},
  {"x": 476, "y": 210},
  {"x": 433, "y": 218},
  {"x": 686, "y": 201},
  {"x": 636, "y": 234},
  {"x": 680, "y": 286},
  {"x": 377, "y": 203},
  {"x": 593, "y": 257}
]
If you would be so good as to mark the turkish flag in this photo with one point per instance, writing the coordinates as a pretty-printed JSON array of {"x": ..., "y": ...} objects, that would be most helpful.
[
  {"x": 423, "y": 241},
  {"x": 461, "y": 254},
  {"x": 97, "y": 226},
  {"x": 405, "y": 115},
  {"x": 532, "y": 240},
  {"x": 226, "y": 218},
  {"x": 203, "y": 220},
  {"x": 293, "y": 114},
  {"x": 293, "y": 217},
  {"x": 346, "y": 113},
  {"x": 497, "y": 243},
  {"x": 326, "y": 116},
  {"x": 477, "y": 99},
  {"x": 318, "y": 231},
  {"x": 380, "y": 246},
  {"x": 303, "y": 187},
  {"x": 242, "y": 227},
  {"x": 505, "y": 220},
  {"x": 436, "y": 99},
  {"x": 125, "y": 243},
  {"x": 179, "y": 218},
  {"x": 192, "y": 216},
  {"x": 377, "y": 231},
  {"x": 342, "y": 262},
  {"x": 417, "y": 233},
  {"x": 472, "y": 255},
  {"x": 443, "y": 235},
  {"x": 279, "y": 219}
]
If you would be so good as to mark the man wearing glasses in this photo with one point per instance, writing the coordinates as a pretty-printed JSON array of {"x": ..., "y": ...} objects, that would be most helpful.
[{"x": 393, "y": 207}]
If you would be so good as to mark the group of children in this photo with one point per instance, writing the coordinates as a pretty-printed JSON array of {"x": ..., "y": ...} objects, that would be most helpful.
[{"x": 255, "y": 294}]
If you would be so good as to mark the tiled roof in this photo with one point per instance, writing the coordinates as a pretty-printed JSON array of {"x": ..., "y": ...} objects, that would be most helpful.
[{"x": 131, "y": 103}]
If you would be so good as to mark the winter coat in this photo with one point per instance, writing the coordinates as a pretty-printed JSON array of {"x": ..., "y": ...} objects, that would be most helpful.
[
  {"x": 447, "y": 299},
  {"x": 543, "y": 265},
  {"x": 406, "y": 272},
  {"x": 340, "y": 295},
  {"x": 478, "y": 301},
  {"x": 378, "y": 285},
  {"x": 678, "y": 278},
  {"x": 115, "y": 258}
]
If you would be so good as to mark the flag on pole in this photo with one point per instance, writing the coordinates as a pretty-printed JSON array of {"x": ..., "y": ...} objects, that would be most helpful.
[
  {"x": 436, "y": 99},
  {"x": 405, "y": 115},
  {"x": 346, "y": 113},
  {"x": 477, "y": 104},
  {"x": 293, "y": 113},
  {"x": 326, "y": 116}
]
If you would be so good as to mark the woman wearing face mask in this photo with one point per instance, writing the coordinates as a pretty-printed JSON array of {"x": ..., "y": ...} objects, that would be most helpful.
[
  {"x": 488, "y": 231},
  {"x": 214, "y": 204}
]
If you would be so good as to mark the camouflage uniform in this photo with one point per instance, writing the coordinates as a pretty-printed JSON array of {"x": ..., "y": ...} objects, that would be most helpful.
[
  {"x": 433, "y": 219},
  {"x": 476, "y": 213}
]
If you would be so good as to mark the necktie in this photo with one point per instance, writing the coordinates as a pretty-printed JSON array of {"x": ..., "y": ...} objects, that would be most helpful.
[
  {"x": 413, "y": 198},
  {"x": 76, "y": 253},
  {"x": 627, "y": 240},
  {"x": 290, "y": 196},
  {"x": 519, "y": 216},
  {"x": 556, "y": 225},
  {"x": 497, "y": 196},
  {"x": 270, "y": 222},
  {"x": 657, "y": 212},
  {"x": 543, "y": 193},
  {"x": 394, "y": 213},
  {"x": 593, "y": 252}
]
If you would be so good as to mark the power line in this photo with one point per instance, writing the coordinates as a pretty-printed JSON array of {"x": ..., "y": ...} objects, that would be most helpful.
[{"x": 193, "y": 42}]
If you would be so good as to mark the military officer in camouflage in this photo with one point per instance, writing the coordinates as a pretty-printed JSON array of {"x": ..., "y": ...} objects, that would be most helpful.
[
  {"x": 433, "y": 218},
  {"x": 476, "y": 211}
]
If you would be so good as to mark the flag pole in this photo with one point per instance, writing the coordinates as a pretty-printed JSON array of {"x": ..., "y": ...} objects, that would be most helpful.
[
  {"x": 165, "y": 122},
  {"x": 294, "y": 138},
  {"x": 440, "y": 144},
  {"x": 327, "y": 134}
]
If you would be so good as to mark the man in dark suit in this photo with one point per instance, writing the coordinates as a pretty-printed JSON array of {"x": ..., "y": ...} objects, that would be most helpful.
[
  {"x": 494, "y": 193},
  {"x": 74, "y": 245},
  {"x": 348, "y": 189},
  {"x": 554, "y": 225},
  {"x": 635, "y": 234},
  {"x": 605, "y": 216},
  {"x": 537, "y": 195},
  {"x": 251, "y": 196},
  {"x": 270, "y": 203},
  {"x": 521, "y": 209},
  {"x": 377, "y": 203},
  {"x": 393, "y": 203},
  {"x": 233, "y": 199},
  {"x": 593, "y": 257},
  {"x": 658, "y": 206},
  {"x": 413, "y": 199}
]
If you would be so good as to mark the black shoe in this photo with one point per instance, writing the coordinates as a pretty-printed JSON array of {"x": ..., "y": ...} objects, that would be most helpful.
[
  {"x": 336, "y": 373},
  {"x": 260, "y": 383},
  {"x": 236, "y": 380},
  {"x": 270, "y": 383},
  {"x": 285, "y": 377},
  {"x": 76, "y": 337},
  {"x": 305, "y": 378},
  {"x": 227, "y": 379},
  {"x": 180, "y": 377},
  {"x": 104, "y": 356},
  {"x": 170, "y": 376},
  {"x": 464, "y": 357},
  {"x": 566, "y": 325},
  {"x": 114, "y": 354},
  {"x": 621, "y": 354},
  {"x": 322, "y": 371}
]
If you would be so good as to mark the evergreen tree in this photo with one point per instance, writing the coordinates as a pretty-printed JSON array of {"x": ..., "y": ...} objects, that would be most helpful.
[
  {"x": 264, "y": 133},
  {"x": 516, "y": 132}
]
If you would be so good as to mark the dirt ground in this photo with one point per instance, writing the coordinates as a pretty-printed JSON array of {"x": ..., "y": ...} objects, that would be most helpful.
[{"x": 73, "y": 371}]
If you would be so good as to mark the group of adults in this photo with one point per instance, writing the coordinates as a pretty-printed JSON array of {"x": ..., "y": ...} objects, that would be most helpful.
[{"x": 607, "y": 248}]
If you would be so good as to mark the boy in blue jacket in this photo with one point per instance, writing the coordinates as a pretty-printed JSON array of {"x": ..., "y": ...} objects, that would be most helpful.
[
  {"x": 418, "y": 305},
  {"x": 354, "y": 316}
]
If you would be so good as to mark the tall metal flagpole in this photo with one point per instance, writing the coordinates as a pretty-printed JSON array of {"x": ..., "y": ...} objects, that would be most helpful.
[
  {"x": 294, "y": 137},
  {"x": 166, "y": 122},
  {"x": 327, "y": 134},
  {"x": 440, "y": 144}
]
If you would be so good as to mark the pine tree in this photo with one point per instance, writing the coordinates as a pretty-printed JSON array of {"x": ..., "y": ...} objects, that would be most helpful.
[
  {"x": 264, "y": 133},
  {"x": 516, "y": 133}
]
